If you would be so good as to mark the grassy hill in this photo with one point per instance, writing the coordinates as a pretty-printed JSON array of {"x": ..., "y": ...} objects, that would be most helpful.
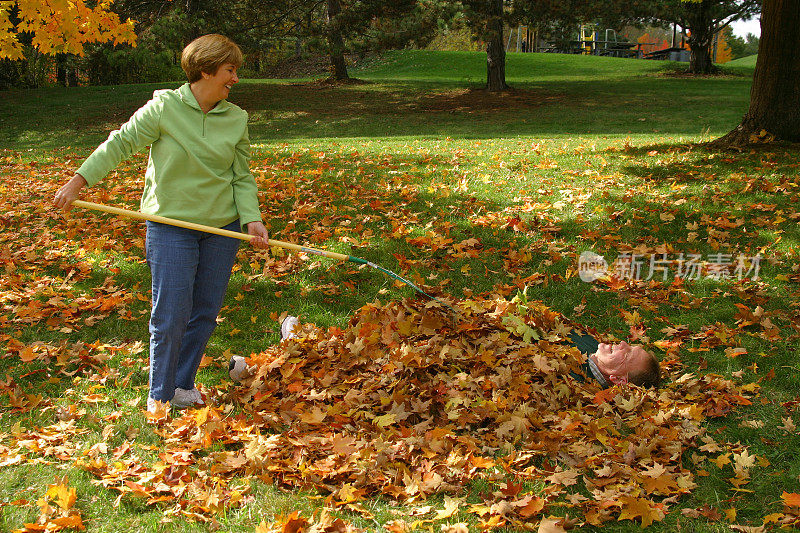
[
  {"x": 749, "y": 61},
  {"x": 470, "y": 67},
  {"x": 421, "y": 93}
]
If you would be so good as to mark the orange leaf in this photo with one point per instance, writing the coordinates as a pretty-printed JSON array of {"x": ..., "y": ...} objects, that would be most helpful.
[
  {"x": 550, "y": 525},
  {"x": 294, "y": 523},
  {"x": 481, "y": 462},
  {"x": 27, "y": 354},
  {"x": 72, "y": 521},
  {"x": 792, "y": 499},
  {"x": 639, "y": 507},
  {"x": 605, "y": 395},
  {"x": 532, "y": 507}
]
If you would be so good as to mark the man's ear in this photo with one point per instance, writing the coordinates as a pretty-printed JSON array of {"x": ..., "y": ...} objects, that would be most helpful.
[{"x": 618, "y": 380}]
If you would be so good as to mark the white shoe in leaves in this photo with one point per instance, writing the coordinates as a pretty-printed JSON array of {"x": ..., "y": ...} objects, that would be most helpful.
[
  {"x": 154, "y": 406},
  {"x": 288, "y": 327},
  {"x": 187, "y": 398},
  {"x": 237, "y": 368}
]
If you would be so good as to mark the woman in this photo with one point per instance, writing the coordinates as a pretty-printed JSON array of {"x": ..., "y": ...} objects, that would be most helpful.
[{"x": 197, "y": 172}]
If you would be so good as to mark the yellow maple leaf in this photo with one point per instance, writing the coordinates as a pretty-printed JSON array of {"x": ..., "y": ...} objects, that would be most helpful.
[
  {"x": 644, "y": 509},
  {"x": 744, "y": 460},
  {"x": 385, "y": 420},
  {"x": 451, "y": 506},
  {"x": 723, "y": 460},
  {"x": 348, "y": 493},
  {"x": 315, "y": 416},
  {"x": 63, "y": 495},
  {"x": 201, "y": 416}
]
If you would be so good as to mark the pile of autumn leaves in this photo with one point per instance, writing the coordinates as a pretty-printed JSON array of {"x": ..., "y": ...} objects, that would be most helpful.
[
  {"x": 486, "y": 408},
  {"x": 410, "y": 401}
]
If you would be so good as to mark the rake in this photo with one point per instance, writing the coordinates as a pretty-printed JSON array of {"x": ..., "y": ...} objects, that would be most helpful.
[{"x": 245, "y": 237}]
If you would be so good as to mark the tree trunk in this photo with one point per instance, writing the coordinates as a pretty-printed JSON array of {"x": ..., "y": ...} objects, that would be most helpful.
[
  {"x": 774, "y": 112},
  {"x": 702, "y": 34},
  {"x": 194, "y": 30},
  {"x": 66, "y": 73},
  {"x": 298, "y": 43},
  {"x": 700, "y": 57},
  {"x": 336, "y": 43},
  {"x": 61, "y": 70},
  {"x": 495, "y": 52},
  {"x": 72, "y": 76},
  {"x": 9, "y": 74}
]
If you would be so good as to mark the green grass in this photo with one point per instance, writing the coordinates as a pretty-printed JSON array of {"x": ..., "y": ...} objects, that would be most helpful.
[
  {"x": 749, "y": 61},
  {"x": 419, "y": 95},
  {"x": 604, "y": 144}
]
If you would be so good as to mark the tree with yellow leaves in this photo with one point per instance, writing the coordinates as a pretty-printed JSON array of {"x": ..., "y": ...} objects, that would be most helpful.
[{"x": 59, "y": 26}]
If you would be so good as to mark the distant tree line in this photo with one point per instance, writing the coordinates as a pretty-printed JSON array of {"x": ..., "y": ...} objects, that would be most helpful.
[
  {"x": 266, "y": 31},
  {"x": 279, "y": 29},
  {"x": 743, "y": 46}
]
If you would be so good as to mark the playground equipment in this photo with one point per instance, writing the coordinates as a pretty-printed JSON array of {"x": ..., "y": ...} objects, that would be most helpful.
[
  {"x": 591, "y": 43},
  {"x": 525, "y": 40},
  {"x": 589, "y": 39}
]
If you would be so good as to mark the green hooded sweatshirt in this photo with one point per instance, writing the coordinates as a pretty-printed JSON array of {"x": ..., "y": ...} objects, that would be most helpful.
[{"x": 198, "y": 169}]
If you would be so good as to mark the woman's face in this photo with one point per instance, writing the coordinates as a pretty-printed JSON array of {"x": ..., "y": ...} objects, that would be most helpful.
[{"x": 223, "y": 80}]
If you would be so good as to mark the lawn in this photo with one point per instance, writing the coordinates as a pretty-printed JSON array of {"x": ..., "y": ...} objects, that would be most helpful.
[
  {"x": 749, "y": 61},
  {"x": 475, "y": 197}
]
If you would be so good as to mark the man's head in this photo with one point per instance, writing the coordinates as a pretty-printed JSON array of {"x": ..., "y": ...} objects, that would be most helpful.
[{"x": 623, "y": 363}]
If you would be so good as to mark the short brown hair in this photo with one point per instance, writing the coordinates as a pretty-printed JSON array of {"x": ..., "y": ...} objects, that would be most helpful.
[
  {"x": 650, "y": 376},
  {"x": 207, "y": 54}
]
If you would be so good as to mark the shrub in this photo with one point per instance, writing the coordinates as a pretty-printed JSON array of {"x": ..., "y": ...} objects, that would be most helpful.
[
  {"x": 108, "y": 66},
  {"x": 451, "y": 40}
]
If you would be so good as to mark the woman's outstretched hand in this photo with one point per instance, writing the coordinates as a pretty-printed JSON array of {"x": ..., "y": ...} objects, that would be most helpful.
[{"x": 69, "y": 192}]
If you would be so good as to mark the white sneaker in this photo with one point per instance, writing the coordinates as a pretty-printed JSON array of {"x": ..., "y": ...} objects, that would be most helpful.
[
  {"x": 237, "y": 368},
  {"x": 237, "y": 365},
  {"x": 153, "y": 405},
  {"x": 187, "y": 398},
  {"x": 288, "y": 326}
]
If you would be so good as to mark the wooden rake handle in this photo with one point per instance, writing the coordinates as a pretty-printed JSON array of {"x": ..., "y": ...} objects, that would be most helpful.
[{"x": 207, "y": 229}]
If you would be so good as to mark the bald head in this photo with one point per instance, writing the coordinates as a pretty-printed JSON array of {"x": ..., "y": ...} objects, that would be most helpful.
[{"x": 623, "y": 363}]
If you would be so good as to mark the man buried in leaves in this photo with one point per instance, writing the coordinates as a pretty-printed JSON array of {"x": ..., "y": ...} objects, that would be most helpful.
[{"x": 493, "y": 342}]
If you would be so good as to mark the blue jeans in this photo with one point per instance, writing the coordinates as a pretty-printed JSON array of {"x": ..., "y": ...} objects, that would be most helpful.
[{"x": 190, "y": 271}]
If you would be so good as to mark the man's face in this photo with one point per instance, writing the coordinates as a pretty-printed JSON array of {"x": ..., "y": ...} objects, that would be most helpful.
[{"x": 619, "y": 360}]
